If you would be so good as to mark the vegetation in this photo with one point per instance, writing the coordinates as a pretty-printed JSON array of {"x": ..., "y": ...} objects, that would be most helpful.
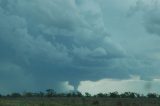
[
  {"x": 52, "y": 93},
  {"x": 52, "y": 98}
]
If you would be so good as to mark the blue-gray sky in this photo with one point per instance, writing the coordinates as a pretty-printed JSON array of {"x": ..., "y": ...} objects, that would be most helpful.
[{"x": 61, "y": 43}]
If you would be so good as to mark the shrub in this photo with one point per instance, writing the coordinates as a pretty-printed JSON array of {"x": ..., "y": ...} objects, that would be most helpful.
[
  {"x": 152, "y": 95},
  {"x": 16, "y": 95}
]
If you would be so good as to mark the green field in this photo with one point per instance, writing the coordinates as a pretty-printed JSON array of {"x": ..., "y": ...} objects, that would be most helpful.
[{"x": 78, "y": 102}]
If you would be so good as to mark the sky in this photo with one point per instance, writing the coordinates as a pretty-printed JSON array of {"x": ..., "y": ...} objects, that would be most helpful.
[{"x": 66, "y": 45}]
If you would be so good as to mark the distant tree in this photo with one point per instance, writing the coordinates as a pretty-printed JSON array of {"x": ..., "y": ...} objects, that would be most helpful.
[
  {"x": 15, "y": 95},
  {"x": 79, "y": 94},
  {"x": 101, "y": 95},
  {"x": 69, "y": 94},
  {"x": 40, "y": 94},
  {"x": 61, "y": 95},
  {"x": 137, "y": 95},
  {"x": 123, "y": 95},
  {"x": 87, "y": 94},
  {"x": 74, "y": 94},
  {"x": 152, "y": 95},
  {"x": 50, "y": 93},
  {"x": 0, "y": 95},
  {"x": 28, "y": 94},
  {"x": 142, "y": 96},
  {"x": 8, "y": 95},
  {"x": 114, "y": 94},
  {"x": 128, "y": 95},
  {"x": 106, "y": 95}
]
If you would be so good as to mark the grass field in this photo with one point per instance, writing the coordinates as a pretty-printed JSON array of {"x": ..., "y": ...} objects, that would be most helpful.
[{"x": 78, "y": 102}]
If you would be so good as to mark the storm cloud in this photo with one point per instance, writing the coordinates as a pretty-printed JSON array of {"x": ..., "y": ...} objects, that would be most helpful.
[
  {"x": 59, "y": 43},
  {"x": 53, "y": 41}
]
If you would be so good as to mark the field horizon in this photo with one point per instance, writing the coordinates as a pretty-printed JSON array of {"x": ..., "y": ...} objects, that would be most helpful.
[{"x": 78, "y": 101}]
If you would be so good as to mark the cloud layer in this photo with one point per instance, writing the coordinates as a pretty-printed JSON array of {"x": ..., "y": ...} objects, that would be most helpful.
[
  {"x": 53, "y": 41},
  {"x": 58, "y": 43},
  {"x": 133, "y": 84}
]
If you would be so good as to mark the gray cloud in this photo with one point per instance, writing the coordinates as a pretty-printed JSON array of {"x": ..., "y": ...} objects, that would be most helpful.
[
  {"x": 53, "y": 41},
  {"x": 43, "y": 44},
  {"x": 149, "y": 10}
]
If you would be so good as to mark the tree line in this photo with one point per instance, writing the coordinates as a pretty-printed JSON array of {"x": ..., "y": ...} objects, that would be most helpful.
[{"x": 53, "y": 93}]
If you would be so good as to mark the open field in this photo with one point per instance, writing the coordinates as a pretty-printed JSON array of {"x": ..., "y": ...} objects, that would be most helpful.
[{"x": 78, "y": 102}]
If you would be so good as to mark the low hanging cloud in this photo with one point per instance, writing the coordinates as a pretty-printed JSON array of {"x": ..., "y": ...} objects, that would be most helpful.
[{"x": 133, "y": 84}]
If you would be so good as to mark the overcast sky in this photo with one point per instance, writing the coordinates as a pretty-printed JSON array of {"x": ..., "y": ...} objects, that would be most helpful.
[{"x": 80, "y": 44}]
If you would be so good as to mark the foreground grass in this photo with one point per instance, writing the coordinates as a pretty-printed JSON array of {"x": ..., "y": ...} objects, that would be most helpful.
[{"x": 78, "y": 102}]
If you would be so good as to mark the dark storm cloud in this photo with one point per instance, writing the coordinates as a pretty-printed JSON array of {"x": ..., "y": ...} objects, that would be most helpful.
[
  {"x": 44, "y": 43},
  {"x": 47, "y": 42}
]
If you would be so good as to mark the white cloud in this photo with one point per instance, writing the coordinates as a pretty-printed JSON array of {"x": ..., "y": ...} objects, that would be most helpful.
[
  {"x": 66, "y": 87},
  {"x": 134, "y": 84}
]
